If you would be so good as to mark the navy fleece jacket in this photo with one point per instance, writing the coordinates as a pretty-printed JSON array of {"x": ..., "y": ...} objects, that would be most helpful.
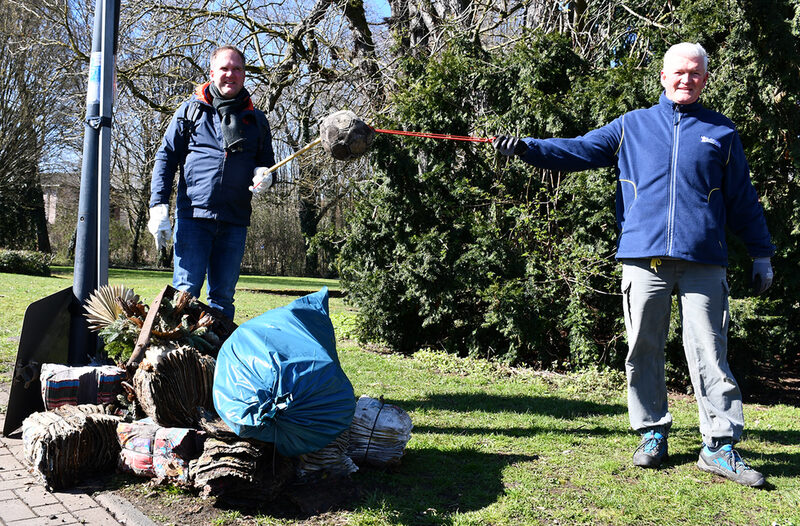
[
  {"x": 213, "y": 183},
  {"x": 681, "y": 178}
]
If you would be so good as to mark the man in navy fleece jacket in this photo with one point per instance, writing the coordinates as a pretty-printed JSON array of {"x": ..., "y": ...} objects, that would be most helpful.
[
  {"x": 681, "y": 179},
  {"x": 217, "y": 143}
]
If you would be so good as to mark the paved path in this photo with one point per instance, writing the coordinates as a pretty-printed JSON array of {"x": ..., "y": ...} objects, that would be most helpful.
[{"x": 24, "y": 501}]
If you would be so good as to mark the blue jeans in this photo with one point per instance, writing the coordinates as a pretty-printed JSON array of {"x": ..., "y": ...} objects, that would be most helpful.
[
  {"x": 702, "y": 292},
  {"x": 207, "y": 246}
]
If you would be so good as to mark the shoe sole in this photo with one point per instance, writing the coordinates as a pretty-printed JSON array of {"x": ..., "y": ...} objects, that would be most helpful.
[
  {"x": 725, "y": 474},
  {"x": 656, "y": 463}
]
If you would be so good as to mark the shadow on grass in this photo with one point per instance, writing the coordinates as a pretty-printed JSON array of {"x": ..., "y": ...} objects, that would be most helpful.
[
  {"x": 540, "y": 405},
  {"x": 779, "y": 464},
  {"x": 427, "y": 488},
  {"x": 433, "y": 484},
  {"x": 553, "y": 407},
  {"x": 518, "y": 432},
  {"x": 778, "y": 436}
]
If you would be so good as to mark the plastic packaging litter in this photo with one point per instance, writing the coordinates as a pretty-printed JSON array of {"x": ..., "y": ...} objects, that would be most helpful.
[
  {"x": 136, "y": 440},
  {"x": 379, "y": 433},
  {"x": 278, "y": 379},
  {"x": 149, "y": 450},
  {"x": 65, "y": 385},
  {"x": 173, "y": 449}
]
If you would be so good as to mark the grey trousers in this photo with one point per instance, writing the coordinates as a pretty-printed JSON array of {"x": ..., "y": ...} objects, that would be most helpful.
[{"x": 702, "y": 291}]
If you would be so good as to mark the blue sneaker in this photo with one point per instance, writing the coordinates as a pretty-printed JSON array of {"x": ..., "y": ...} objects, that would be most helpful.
[
  {"x": 652, "y": 450},
  {"x": 726, "y": 462}
]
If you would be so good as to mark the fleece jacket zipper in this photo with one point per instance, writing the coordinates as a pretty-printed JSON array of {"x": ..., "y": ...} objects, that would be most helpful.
[{"x": 673, "y": 179}]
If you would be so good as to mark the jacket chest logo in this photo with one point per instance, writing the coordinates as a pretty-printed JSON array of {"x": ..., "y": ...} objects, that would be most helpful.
[{"x": 710, "y": 140}]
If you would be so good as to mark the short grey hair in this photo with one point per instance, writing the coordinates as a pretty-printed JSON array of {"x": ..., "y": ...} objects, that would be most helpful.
[{"x": 688, "y": 50}]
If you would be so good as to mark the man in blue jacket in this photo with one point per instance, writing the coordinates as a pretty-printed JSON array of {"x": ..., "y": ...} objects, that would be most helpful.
[
  {"x": 681, "y": 179},
  {"x": 219, "y": 144}
]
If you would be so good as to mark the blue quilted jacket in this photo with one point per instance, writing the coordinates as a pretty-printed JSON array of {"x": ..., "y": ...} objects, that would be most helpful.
[
  {"x": 681, "y": 178},
  {"x": 213, "y": 184}
]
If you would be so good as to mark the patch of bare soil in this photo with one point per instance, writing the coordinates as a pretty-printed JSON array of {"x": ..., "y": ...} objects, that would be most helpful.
[{"x": 312, "y": 504}]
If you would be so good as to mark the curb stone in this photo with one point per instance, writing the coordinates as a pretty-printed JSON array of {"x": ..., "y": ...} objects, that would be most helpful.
[{"x": 123, "y": 510}]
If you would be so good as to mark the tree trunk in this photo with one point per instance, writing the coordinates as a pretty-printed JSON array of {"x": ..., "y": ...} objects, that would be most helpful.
[
  {"x": 308, "y": 213},
  {"x": 39, "y": 220}
]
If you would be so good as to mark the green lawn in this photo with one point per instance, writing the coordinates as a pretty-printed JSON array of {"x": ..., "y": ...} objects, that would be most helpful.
[
  {"x": 18, "y": 291},
  {"x": 502, "y": 446},
  {"x": 499, "y": 447}
]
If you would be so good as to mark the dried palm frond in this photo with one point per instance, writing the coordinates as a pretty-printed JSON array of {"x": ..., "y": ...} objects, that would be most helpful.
[
  {"x": 65, "y": 445},
  {"x": 102, "y": 307},
  {"x": 172, "y": 382},
  {"x": 240, "y": 472}
]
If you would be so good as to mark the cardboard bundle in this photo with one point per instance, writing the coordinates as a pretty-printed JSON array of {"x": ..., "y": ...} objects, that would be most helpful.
[
  {"x": 172, "y": 382},
  {"x": 240, "y": 472},
  {"x": 330, "y": 461},
  {"x": 65, "y": 445}
]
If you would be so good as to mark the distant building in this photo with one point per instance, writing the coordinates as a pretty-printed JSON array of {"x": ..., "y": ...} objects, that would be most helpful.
[{"x": 61, "y": 192}]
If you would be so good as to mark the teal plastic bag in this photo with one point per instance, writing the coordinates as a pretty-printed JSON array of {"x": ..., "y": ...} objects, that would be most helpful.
[{"x": 278, "y": 378}]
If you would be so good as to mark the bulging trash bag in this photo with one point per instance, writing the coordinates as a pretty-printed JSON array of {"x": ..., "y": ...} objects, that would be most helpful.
[{"x": 278, "y": 379}]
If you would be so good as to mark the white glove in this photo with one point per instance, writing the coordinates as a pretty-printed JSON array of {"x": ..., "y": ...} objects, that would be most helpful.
[
  {"x": 159, "y": 225},
  {"x": 262, "y": 180}
]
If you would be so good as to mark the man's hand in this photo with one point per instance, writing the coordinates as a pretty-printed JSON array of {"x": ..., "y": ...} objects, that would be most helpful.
[
  {"x": 159, "y": 225},
  {"x": 261, "y": 180},
  {"x": 762, "y": 274},
  {"x": 509, "y": 145}
]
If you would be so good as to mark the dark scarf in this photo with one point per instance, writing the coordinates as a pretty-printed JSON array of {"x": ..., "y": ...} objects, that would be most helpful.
[{"x": 230, "y": 117}]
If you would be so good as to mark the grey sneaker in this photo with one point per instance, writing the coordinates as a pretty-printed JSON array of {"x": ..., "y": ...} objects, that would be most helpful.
[
  {"x": 652, "y": 450},
  {"x": 727, "y": 463}
]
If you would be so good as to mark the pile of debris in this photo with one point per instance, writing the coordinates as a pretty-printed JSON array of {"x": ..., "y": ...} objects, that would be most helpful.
[
  {"x": 156, "y": 414},
  {"x": 66, "y": 444}
]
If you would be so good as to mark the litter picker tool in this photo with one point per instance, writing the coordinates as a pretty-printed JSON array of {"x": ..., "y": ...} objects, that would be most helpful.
[
  {"x": 344, "y": 136},
  {"x": 277, "y": 165}
]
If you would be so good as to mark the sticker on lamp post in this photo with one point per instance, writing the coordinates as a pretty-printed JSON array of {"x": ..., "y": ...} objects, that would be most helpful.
[{"x": 95, "y": 68}]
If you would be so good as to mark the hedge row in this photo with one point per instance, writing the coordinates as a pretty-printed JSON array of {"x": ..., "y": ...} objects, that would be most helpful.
[{"x": 25, "y": 262}]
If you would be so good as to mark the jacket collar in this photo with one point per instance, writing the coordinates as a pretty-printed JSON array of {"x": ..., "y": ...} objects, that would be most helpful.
[
  {"x": 202, "y": 94},
  {"x": 667, "y": 104}
]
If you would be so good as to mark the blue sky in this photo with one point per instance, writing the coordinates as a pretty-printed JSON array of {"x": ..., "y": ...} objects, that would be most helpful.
[{"x": 379, "y": 7}]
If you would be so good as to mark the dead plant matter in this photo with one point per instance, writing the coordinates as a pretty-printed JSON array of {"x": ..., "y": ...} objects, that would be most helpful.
[
  {"x": 118, "y": 316},
  {"x": 172, "y": 381},
  {"x": 71, "y": 442}
]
